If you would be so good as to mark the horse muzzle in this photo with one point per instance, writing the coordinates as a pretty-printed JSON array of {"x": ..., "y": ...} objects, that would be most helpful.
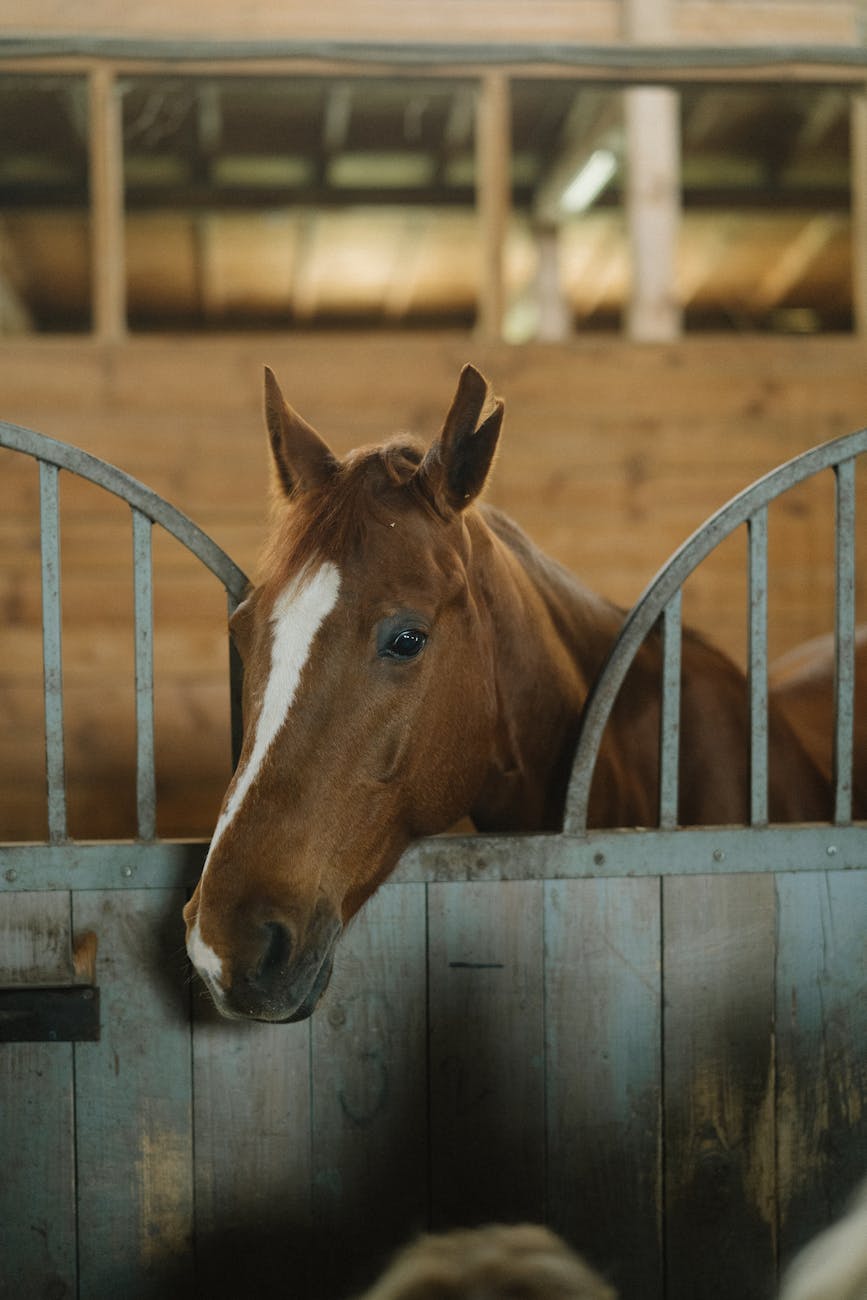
[{"x": 277, "y": 976}]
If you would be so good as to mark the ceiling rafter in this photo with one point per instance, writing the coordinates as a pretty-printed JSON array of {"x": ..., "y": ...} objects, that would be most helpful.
[
  {"x": 795, "y": 260},
  {"x": 594, "y": 122}
]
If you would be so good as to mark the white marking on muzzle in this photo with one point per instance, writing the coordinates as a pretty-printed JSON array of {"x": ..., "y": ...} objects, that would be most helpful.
[
  {"x": 296, "y": 618},
  {"x": 203, "y": 958}
]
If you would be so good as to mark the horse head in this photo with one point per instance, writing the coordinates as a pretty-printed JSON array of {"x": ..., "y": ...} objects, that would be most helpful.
[{"x": 369, "y": 707}]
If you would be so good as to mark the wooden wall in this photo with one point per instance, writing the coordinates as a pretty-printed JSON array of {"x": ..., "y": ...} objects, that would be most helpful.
[{"x": 611, "y": 455}]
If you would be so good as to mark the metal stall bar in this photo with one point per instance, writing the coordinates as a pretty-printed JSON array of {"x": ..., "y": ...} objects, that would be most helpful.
[
  {"x": 757, "y": 671},
  {"x": 236, "y": 687},
  {"x": 838, "y": 454},
  {"x": 144, "y": 675},
  {"x": 52, "y": 657},
  {"x": 844, "y": 675},
  {"x": 669, "y": 722},
  {"x": 147, "y": 509}
]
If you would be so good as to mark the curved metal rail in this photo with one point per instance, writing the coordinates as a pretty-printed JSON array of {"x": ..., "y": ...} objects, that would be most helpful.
[
  {"x": 661, "y": 600},
  {"x": 146, "y": 509}
]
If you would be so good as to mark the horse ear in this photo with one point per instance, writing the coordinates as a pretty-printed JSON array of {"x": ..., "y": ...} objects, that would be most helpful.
[
  {"x": 454, "y": 470},
  {"x": 302, "y": 459}
]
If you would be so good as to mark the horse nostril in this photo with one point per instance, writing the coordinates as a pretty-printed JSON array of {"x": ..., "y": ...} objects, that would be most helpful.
[{"x": 278, "y": 945}]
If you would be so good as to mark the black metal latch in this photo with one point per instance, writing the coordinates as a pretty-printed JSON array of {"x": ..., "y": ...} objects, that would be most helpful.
[{"x": 67, "y": 1013}]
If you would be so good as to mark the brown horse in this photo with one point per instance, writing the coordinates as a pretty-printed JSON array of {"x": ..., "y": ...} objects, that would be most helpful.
[
  {"x": 412, "y": 658},
  {"x": 802, "y": 684}
]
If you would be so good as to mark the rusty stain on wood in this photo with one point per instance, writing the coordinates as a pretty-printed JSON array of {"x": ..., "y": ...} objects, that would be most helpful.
[
  {"x": 84, "y": 948},
  {"x": 162, "y": 1174}
]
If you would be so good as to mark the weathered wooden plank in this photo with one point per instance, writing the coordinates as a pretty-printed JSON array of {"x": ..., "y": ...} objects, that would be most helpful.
[
  {"x": 37, "y": 1184},
  {"x": 133, "y": 1102},
  {"x": 35, "y": 938},
  {"x": 821, "y": 1050},
  {"x": 37, "y": 1189},
  {"x": 369, "y": 1090},
  {"x": 718, "y": 979},
  {"x": 603, "y": 1000},
  {"x": 251, "y": 1084},
  {"x": 486, "y": 1053}
]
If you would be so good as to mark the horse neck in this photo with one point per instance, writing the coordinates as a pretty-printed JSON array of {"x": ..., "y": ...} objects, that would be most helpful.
[{"x": 550, "y": 638}]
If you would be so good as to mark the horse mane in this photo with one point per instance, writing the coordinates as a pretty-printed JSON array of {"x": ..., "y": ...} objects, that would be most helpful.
[{"x": 326, "y": 522}]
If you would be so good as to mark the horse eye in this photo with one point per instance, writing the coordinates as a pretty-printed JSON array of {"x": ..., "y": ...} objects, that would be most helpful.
[{"x": 407, "y": 643}]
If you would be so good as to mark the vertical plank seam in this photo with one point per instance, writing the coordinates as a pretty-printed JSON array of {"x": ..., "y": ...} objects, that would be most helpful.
[
  {"x": 662, "y": 1215},
  {"x": 546, "y": 1166},
  {"x": 75, "y": 1184},
  {"x": 194, "y": 1154},
  {"x": 777, "y": 1223},
  {"x": 428, "y": 1063}
]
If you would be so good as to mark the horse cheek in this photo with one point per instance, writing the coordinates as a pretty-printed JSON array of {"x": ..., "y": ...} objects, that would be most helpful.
[{"x": 456, "y": 764}]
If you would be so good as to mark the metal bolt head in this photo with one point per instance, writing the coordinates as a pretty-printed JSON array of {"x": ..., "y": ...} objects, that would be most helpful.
[
  {"x": 831, "y": 850},
  {"x": 718, "y": 855},
  {"x": 337, "y": 1016},
  {"x": 11, "y": 875},
  {"x": 127, "y": 871}
]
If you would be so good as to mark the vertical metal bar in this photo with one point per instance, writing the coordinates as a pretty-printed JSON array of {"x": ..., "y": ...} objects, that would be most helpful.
[
  {"x": 144, "y": 675},
  {"x": 52, "y": 658},
  {"x": 844, "y": 674},
  {"x": 758, "y": 665},
  {"x": 236, "y": 686},
  {"x": 669, "y": 740}
]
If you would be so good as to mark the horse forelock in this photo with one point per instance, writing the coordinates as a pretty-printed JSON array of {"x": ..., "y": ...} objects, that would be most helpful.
[{"x": 330, "y": 521}]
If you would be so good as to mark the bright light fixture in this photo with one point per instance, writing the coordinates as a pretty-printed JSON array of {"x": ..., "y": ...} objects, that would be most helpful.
[{"x": 589, "y": 182}]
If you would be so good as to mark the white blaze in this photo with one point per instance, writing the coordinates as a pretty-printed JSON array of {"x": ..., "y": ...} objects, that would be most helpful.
[
  {"x": 203, "y": 958},
  {"x": 296, "y": 618}
]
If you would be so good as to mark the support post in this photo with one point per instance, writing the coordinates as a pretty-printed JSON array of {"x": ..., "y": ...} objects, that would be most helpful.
[
  {"x": 653, "y": 186},
  {"x": 107, "y": 262},
  {"x": 493, "y": 191}
]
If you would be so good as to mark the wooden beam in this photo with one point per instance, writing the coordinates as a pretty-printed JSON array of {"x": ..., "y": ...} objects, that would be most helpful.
[
  {"x": 493, "y": 152},
  {"x": 615, "y": 64},
  {"x": 859, "y": 211},
  {"x": 108, "y": 274}
]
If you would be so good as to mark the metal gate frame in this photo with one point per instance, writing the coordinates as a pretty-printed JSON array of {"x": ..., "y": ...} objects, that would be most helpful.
[
  {"x": 62, "y": 863},
  {"x": 577, "y": 852},
  {"x": 147, "y": 862},
  {"x": 557, "y": 873}
]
